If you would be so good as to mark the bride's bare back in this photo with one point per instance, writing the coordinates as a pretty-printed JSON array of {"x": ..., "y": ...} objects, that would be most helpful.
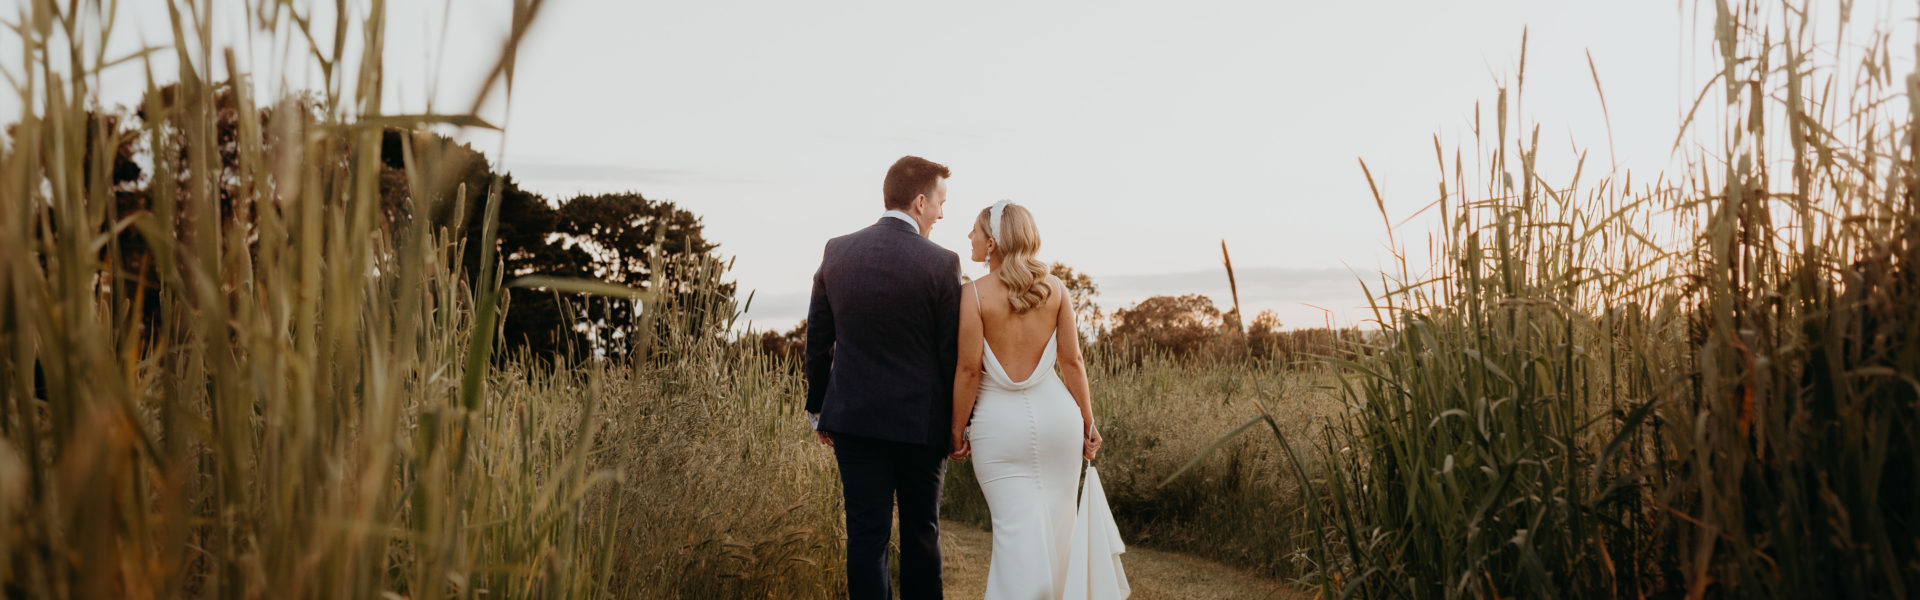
[
  {"x": 1018, "y": 340},
  {"x": 1019, "y": 344}
]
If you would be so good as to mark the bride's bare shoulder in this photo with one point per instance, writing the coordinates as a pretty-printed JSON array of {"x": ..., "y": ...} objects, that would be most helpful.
[
  {"x": 1057, "y": 284},
  {"x": 990, "y": 281}
]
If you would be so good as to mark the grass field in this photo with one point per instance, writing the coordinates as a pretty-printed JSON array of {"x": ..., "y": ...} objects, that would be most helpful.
[{"x": 724, "y": 492}]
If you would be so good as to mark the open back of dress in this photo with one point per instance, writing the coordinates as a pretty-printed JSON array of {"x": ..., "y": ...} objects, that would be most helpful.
[{"x": 1026, "y": 438}]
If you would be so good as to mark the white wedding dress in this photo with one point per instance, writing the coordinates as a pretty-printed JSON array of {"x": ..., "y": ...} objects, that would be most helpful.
[{"x": 1026, "y": 439}]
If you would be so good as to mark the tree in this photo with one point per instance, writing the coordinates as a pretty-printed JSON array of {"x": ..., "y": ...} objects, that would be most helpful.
[
  {"x": 1184, "y": 326},
  {"x": 1082, "y": 290},
  {"x": 609, "y": 237},
  {"x": 1264, "y": 336},
  {"x": 790, "y": 346},
  {"x": 619, "y": 238},
  {"x": 606, "y": 237}
]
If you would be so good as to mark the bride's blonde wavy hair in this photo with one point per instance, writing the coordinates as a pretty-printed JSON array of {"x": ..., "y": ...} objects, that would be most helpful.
[{"x": 1024, "y": 275}]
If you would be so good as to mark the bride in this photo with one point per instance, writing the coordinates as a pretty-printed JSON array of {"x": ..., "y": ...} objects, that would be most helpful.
[{"x": 1029, "y": 428}]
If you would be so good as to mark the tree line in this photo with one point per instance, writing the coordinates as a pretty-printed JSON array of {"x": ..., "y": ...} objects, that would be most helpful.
[{"x": 623, "y": 238}]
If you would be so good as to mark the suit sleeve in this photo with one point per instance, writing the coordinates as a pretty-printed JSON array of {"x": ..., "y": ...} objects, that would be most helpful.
[
  {"x": 947, "y": 315},
  {"x": 819, "y": 341}
]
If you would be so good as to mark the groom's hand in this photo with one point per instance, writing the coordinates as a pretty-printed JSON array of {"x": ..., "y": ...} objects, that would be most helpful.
[{"x": 813, "y": 419}]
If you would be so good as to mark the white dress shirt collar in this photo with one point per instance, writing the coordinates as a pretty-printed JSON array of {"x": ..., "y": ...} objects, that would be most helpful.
[{"x": 904, "y": 217}]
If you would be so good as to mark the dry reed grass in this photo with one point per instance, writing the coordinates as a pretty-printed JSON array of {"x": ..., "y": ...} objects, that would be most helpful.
[
  {"x": 283, "y": 391},
  {"x": 1699, "y": 387}
]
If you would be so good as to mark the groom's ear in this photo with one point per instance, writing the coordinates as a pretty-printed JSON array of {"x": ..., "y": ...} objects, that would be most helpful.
[{"x": 919, "y": 204}]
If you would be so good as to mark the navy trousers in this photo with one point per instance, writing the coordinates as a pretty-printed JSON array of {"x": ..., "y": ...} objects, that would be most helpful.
[{"x": 873, "y": 474}]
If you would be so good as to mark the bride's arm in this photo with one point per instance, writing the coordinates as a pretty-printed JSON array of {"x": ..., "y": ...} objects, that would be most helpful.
[
  {"x": 1073, "y": 367},
  {"x": 966, "y": 370}
]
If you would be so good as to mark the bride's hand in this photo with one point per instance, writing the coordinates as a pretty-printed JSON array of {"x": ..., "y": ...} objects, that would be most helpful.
[
  {"x": 1091, "y": 445},
  {"x": 961, "y": 447}
]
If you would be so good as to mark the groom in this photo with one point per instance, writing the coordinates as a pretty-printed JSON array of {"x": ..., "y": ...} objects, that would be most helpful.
[{"x": 882, "y": 335}]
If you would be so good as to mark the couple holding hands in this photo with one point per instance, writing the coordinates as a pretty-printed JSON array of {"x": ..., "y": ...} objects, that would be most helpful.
[{"x": 907, "y": 367}]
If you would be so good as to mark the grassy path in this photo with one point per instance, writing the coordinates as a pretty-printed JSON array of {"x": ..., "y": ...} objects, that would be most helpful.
[{"x": 1154, "y": 575}]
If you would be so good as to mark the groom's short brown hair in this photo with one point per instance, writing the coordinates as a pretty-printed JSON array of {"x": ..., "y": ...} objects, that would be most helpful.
[{"x": 909, "y": 177}]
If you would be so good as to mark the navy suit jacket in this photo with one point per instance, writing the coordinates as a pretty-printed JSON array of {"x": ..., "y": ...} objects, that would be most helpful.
[{"x": 883, "y": 335}]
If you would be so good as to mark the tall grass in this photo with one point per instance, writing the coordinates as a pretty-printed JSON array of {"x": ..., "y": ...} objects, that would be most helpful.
[
  {"x": 1157, "y": 413},
  {"x": 307, "y": 412},
  {"x": 722, "y": 494},
  {"x": 1699, "y": 386}
]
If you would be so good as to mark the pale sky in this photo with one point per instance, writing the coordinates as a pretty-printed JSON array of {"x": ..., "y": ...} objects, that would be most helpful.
[{"x": 1140, "y": 134}]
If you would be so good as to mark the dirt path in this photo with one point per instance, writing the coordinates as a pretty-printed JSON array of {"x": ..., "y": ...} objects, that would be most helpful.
[{"x": 1154, "y": 575}]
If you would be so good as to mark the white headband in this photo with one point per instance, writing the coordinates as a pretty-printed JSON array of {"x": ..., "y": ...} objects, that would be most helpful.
[{"x": 993, "y": 221}]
